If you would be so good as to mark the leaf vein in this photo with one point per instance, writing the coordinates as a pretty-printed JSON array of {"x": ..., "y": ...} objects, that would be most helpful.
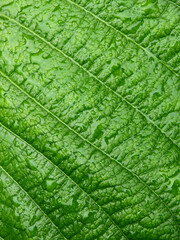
[
  {"x": 92, "y": 75},
  {"x": 59, "y": 169},
  {"x": 126, "y": 36},
  {"x": 26, "y": 193},
  {"x": 93, "y": 145},
  {"x": 173, "y": 3}
]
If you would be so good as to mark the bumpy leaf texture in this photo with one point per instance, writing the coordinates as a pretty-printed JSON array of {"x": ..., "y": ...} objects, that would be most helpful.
[{"x": 89, "y": 119}]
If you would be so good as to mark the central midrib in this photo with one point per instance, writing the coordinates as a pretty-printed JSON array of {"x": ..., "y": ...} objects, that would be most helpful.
[
  {"x": 89, "y": 73},
  {"x": 94, "y": 146}
]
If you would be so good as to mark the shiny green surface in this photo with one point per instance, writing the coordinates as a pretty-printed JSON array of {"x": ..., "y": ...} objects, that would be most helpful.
[{"x": 89, "y": 120}]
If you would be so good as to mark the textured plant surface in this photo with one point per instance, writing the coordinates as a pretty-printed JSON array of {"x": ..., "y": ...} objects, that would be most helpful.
[{"x": 89, "y": 119}]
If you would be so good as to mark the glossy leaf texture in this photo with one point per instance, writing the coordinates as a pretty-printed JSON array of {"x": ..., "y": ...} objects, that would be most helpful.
[{"x": 89, "y": 119}]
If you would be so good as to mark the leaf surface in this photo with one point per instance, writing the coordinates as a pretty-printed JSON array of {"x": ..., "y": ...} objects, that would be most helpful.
[{"x": 89, "y": 120}]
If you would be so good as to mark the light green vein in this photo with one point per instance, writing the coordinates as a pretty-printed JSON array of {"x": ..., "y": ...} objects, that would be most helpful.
[
  {"x": 92, "y": 75},
  {"x": 22, "y": 189},
  {"x": 94, "y": 146},
  {"x": 123, "y": 34},
  {"x": 59, "y": 169},
  {"x": 171, "y": 2}
]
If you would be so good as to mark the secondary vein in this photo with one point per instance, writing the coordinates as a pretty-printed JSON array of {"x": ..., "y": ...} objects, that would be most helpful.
[
  {"x": 94, "y": 146},
  {"x": 123, "y": 34},
  {"x": 173, "y": 3},
  {"x": 26, "y": 193},
  {"x": 92, "y": 75},
  {"x": 59, "y": 169}
]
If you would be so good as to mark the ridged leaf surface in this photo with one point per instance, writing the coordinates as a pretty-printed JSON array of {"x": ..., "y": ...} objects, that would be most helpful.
[{"x": 89, "y": 119}]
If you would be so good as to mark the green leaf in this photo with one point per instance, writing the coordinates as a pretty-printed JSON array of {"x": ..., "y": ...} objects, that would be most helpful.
[{"x": 89, "y": 119}]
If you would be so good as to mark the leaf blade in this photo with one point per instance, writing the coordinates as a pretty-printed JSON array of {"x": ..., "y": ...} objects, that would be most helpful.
[{"x": 110, "y": 145}]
